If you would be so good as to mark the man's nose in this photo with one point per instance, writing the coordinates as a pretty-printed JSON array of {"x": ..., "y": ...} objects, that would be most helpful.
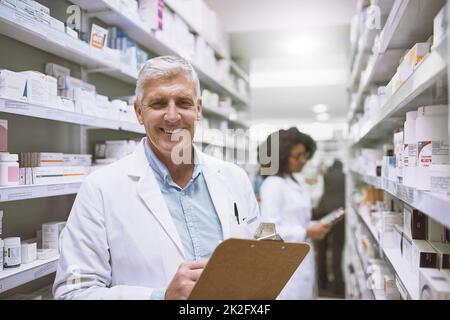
[{"x": 172, "y": 114}]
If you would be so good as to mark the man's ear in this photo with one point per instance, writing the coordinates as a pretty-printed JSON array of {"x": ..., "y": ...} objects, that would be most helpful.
[
  {"x": 138, "y": 111},
  {"x": 199, "y": 109}
]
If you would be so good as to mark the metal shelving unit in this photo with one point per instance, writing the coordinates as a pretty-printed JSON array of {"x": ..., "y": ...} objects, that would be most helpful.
[
  {"x": 109, "y": 12},
  {"x": 11, "y": 278},
  {"x": 395, "y": 260},
  {"x": 409, "y": 22},
  {"x": 434, "y": 205},
  {"x": 23, "y": 192}
]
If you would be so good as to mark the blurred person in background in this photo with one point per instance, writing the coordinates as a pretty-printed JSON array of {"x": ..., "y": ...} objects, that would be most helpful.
[
  {"x": 333, "y": 198},
  {"x": 285, "y": 202}
]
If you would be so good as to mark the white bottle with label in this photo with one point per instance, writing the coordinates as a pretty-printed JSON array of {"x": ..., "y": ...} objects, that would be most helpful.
[
  {"x": 432, "y": 142},
  {"x": 12, "y": 254},
  {"x": 409, "y": 154}
]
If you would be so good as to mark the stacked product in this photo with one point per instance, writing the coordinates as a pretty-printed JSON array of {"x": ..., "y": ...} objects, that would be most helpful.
[
  {"x": 9, "y": 165},
  {"x": 48, "y": 167}
]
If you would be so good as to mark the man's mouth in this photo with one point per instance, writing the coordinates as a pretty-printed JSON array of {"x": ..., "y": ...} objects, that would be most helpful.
[{"x": 171, "y": 131}]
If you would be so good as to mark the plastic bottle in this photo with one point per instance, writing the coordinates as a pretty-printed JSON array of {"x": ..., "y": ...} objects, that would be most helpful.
[{"x": 409, "y": 154}]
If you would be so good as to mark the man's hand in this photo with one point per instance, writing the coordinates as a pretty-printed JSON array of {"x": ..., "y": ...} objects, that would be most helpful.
[
  {"x": 318, "y": 231},
  {"x": 184, "y": 280}
]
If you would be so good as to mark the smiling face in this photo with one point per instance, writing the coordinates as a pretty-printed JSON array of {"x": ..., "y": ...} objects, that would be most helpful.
[{"x": 169, "y": 110}]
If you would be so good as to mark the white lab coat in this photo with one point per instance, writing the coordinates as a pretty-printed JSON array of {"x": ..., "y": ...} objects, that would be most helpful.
[
  {"x": 120, "y": 241},
  {"x": 287, "y": 204}
]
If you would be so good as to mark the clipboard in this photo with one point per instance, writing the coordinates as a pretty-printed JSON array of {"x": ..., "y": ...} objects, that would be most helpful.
[{"x": 243, "y": 269}]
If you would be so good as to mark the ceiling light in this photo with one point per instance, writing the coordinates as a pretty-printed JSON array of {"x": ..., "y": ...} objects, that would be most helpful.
[
  {"x": 320, "y": 108},
  {"x": 300, "y": 45},
  {"x": 323, "y": 117},
  {"x": 298, "y": 78}
]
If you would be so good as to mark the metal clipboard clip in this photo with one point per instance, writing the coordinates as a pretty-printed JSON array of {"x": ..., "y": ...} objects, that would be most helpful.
[{"x": 267, "y": 231}]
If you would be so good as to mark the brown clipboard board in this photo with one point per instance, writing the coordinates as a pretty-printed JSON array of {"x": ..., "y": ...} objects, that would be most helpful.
[{"x": 243, "y": 269}]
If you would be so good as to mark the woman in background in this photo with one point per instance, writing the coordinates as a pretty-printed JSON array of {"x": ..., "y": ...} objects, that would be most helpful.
[{"x": 285, "y": 202}]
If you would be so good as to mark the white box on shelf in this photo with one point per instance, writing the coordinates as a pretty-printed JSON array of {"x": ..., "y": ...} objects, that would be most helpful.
[
  {"x": 41, "y": 13},
  {"x": 9, "y": 3},
  {"x": 57, "y": 25},
  {"x": 67, "y": 104},
  {"x": 437, "y": 232},
  {"x": 433, "y": 285},
  {"x": 28, "y": 251},
  {"x": 36, "y": 87},
  {"x": 25, "y": 7},
  {"x": 12, "y": 85},
  {"x": 71, "y": 32},
  {"x": 45, "y": 175},
  {"x": 51, "y": 233},
  {"x": 443, "y": 252},
  {"x": 440, "y": 25},
  {"x": 414, "y": 223},
  {"x": 423, "y": 256},
  {"x": 74, "y": 173}
]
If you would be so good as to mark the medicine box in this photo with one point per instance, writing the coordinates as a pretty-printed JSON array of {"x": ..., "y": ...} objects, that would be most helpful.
[
  {"x": 51, "y": 232},
  {"x": 36, "y": 89},
  {"x": 443, "y": 252},
  {"x": 71, "y": 32},
  {"x": 414, "y": 223},
  {"x": 9, "y": 3},
  {"x": 436, "y": 231},
  {"x": 417, "y": 53},
  {"x": 25, "y": 7},
  {"x": 3, "y": 135},
  {"x": 57, "y": 25},
  {"x": 423, "y": 256},
  {"x": 440, "y": 25},
  {"x": 433, "y": 285},
  {"x": 28, "y": 251},
  {"x": 12, "y": 85},
  {"x": 41, "y": 13}
]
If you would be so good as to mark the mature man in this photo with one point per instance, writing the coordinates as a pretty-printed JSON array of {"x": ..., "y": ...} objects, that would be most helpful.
[{"x": 143, "y": 227}]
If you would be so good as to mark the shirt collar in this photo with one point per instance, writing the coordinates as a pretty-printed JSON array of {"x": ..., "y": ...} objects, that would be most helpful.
[{"x": 161, "y": 170}]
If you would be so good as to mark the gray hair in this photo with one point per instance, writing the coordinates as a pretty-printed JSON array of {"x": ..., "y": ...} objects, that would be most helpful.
[{"x": 162, "y": 67}]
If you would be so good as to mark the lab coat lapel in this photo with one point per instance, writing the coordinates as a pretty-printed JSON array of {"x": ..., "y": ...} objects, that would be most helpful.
[
  {"x": 219, "y": 195},
  {"x": 150, "y": 193}
]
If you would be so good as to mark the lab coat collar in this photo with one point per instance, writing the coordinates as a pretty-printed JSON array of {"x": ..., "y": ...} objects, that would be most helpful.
[{"x": 150, "y": 193}]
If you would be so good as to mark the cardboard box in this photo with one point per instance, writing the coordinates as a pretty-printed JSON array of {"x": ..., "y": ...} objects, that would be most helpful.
[
  {"x": 433, "y": 285},
  {"x": 57, "y": 25},
  {"x": 45, "y": 175},
  {"x": 73, "y": 174},
  {"x": 51, "y": 233},
  {"x": 36, "y": 89},
  {"x": 41, "y": 13},
  {"x": 440, "y": 25},
  {"x": 71, "y": 32},
  {"x": 414, "y": 223},
  {"x": 28, "y": 251},
  {"x": 12, "y": 85},
  {"x": 9, "y": 3},
  {"x": 436, "y": 231},
  {"x": 3, "y": 135},
  {"x": 443, "y": 252},
  {"x": 25, "y": 7},
  {"x": 423, "y": 256},
  {"x": 417, "y": 53}
]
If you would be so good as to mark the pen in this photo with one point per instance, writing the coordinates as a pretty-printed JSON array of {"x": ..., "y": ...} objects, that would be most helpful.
[{"x": 236, "y": 213}]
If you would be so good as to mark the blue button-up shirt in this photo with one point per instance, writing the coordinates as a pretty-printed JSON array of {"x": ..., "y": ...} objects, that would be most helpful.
[{"x": 192, "y": 211}]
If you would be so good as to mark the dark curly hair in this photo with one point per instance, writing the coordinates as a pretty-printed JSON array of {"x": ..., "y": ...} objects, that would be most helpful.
[{"x": 287, "y": 140}]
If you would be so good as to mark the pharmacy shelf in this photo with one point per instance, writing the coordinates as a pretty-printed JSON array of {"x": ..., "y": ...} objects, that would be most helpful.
[
  {"x": 434, "y": 205},
  {"x": 23, "y": 192},
  {"x": 44, "y": 112},
  {"x": 402, "y": 270},
  {"x": 407, "y": 98},
  {"x": 41, "y": 36},
  {"x": 395, "y": 38},
  {"x": 217, "y": 112},
  {"x": 239, "y": 71},
  {"x": 361, "y": 57},
  {"x": 111, "y": 13},
  {"x": 12, "y": 278},
  {"x": 174, "y": 5}
]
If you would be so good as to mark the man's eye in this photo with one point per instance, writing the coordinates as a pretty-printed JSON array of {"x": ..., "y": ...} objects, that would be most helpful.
[
  {"x": 186, "y": 104},
  {"x": 157, "y": 106}
]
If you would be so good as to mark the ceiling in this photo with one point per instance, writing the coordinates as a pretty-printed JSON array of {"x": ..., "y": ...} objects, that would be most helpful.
[{"x": 295, "y": 51}]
